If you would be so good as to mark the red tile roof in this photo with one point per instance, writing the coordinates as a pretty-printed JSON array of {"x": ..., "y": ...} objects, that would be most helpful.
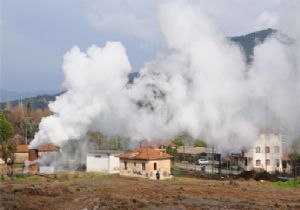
[
  {"x": 145, "y": 154},
  {"x": 23, "y": 148},
  {"x": 48, "y": 148},
  {"x": 266, "y": 131},
  {"x": 156, "y": 143}
]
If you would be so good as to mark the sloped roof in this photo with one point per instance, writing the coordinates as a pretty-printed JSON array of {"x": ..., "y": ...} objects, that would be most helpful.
[
  {"x": 23, "y": 148},
  {"x": 267, "y": 132},
  {"x": 156, "y": 143},
  {"x": 48, "y": 148},
  {"x": 191, "y": 150},
  {"x": 145, "y": 154}
]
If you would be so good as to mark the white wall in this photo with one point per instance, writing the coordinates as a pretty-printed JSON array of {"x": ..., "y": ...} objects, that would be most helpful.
[
  {"x": 106, "y": 163},
  {"x": 269, "y": 141}
]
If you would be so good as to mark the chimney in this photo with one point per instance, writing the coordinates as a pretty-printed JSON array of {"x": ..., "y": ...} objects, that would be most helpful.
[{"x": 32, "y": 157}]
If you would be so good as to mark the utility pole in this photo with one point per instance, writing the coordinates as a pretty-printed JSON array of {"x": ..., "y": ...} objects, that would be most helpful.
[
  {"x": 26, "y": 134},
  {"x": 213, "y": 160}
]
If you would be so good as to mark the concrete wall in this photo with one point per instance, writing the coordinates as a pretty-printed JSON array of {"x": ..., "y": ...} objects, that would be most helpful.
[
  {"x": 134, "y": 168},
  {"x": 107, "y": 163}
]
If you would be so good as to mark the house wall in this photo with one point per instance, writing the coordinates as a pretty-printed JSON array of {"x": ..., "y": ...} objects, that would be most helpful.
[
  {"x": 270, "y": 141},
  {"x": 163, "y": 166},
  {"x": 107, "y": 163},
  {"x": 249, "y": 157},
  {"x": 21, "y": 157},
  {"x": 134, "y": 168}
]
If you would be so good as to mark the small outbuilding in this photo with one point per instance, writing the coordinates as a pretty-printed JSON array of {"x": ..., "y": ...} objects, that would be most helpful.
[
  {"x": 146, "y": 163},
  {"x": 106, "y": 161}
]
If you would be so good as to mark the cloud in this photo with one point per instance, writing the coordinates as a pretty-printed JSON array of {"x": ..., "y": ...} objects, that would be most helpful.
[
  {"x": 266, "y": 20},
  {"x": 129, "y": 18}
]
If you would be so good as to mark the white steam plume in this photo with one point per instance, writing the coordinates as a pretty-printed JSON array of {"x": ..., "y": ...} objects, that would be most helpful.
[{"x": 201, "y": 85}]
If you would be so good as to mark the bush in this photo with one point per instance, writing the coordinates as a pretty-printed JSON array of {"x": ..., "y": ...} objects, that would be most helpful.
[
  {"x": 21, "y": 176},
  {"x": 176, "y": 170},
  {"x": 290, "y": 183},
  {"x": 264, "y": 175}
]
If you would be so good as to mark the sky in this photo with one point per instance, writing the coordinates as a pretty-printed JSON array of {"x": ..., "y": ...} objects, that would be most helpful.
[{"x": 36, "y": 34}]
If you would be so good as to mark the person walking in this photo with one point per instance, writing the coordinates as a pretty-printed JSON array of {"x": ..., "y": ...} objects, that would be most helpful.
[{"x": 157, "y": 175}]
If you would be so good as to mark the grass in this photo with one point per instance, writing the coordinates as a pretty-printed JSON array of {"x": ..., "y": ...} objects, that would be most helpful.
[
  {"x": 178, "y": 170},
  {"x": 288, "y": 184},
  {"x": 21, "y": 178}
]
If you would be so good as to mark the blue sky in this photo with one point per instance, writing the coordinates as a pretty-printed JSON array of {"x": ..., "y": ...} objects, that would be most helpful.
[{"x": 35, "y": 34}]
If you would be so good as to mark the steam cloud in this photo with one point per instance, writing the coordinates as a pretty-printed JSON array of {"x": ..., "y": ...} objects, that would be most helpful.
[{"x": 201, "y": 85}]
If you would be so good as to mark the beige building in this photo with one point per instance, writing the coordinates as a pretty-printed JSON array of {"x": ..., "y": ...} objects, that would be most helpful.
[
  {"x": 145, "y": 163},
  {"x": 21, "y": 154}
]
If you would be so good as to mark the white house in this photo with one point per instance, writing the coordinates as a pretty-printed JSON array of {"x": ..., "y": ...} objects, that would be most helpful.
[
  {"x": 268, "y": 153},
  {"x": 106, "y": 161}
]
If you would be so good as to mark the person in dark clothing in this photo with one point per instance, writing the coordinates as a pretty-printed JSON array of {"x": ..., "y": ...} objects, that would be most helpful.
[{"x": 157, "y": 175}]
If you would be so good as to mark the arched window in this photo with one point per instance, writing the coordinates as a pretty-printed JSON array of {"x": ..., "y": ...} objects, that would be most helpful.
[
  {"x": 268, "y": 162},
  {"x": 155, "y": 166},
  {"x": 267, "y": 149},
  {"x": 257, "y": 149},
  {"x": 125, "y": 165},
  {"x": 258, "y": 162}
]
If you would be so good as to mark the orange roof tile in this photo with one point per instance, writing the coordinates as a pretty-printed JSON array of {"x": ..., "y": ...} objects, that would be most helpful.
[
  {"x": 266, "y": 131},
  {"x": 48, "y": 148},
  {"x": 145, "y": 154},
  {"x": 23, "y": 148}
]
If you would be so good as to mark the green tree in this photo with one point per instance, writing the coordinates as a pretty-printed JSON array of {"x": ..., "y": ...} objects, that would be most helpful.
[
  {"x": 294, "y": 154},
  {"x": 178, "y": 141},
  {"x": 171, "y": 151},
  {"x": 199, "y": 143},
  {"x": 7, "y": 144}
]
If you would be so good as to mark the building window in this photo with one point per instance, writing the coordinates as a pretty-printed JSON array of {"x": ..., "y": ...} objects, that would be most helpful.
[
  {"x": 155, "y": 166},
  {"x": 134, "y": 164},
  {"x": 258, "y": 162},
  {"x": 277, "y": 163},
  {"x": 143, "y": 166},
  {"x": 257, "y": 149},
  {"x": 267, "y": 149},
  {"x": 125, "y": 165},
  {"x": 276, "y": 149},
  {"x": 268, "y": 162},
  {"x": 246, "y": 162}
]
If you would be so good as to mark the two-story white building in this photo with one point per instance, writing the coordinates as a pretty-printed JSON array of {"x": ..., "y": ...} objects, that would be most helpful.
[{"x": 268, "y": 153}]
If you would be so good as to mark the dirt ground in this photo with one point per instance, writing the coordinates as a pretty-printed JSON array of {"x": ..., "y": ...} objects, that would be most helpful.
[{"x": 94, "y": 191}]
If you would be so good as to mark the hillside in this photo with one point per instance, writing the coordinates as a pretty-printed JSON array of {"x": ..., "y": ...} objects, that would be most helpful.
[
  {"x": 247, "y": 43},
  {"x": 38, "y": 102}
]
